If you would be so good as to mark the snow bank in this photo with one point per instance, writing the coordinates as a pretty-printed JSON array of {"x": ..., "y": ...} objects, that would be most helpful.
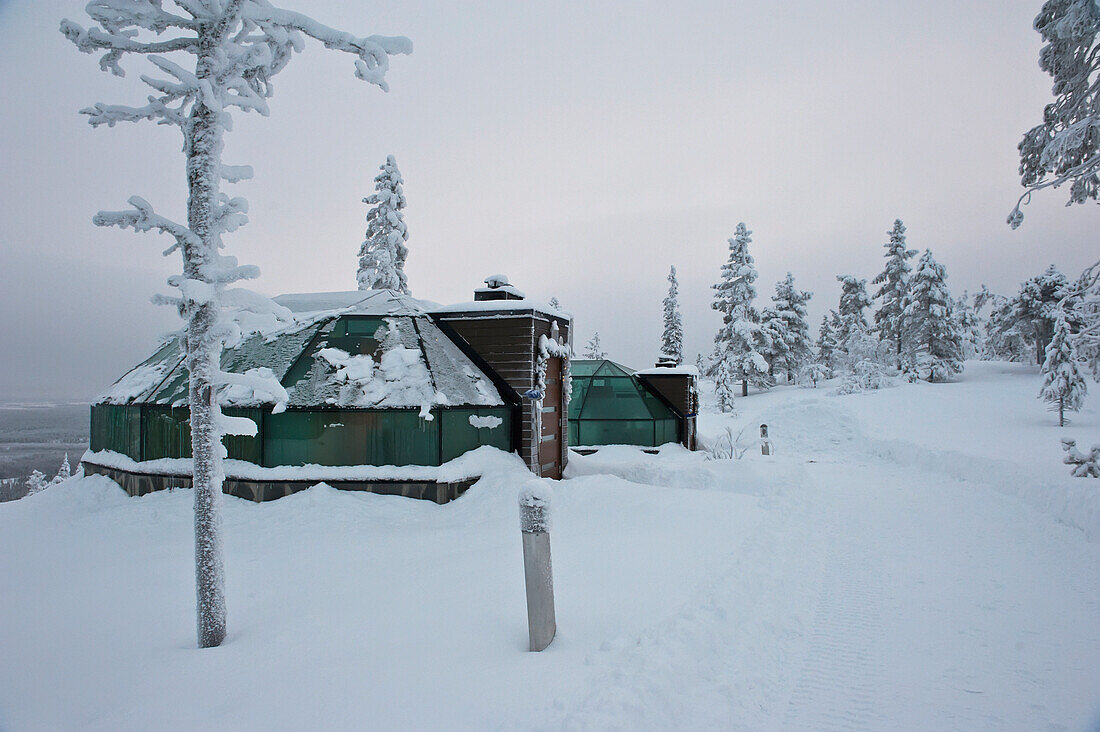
[{"x": 472, "y": 464}]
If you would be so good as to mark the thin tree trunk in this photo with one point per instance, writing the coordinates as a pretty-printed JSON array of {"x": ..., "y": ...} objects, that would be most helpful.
[
  {"x": 744, "y": 387},
  {"x": 203, "y": 150}
]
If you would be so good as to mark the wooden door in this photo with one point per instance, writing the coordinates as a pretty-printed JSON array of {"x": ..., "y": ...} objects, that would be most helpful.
[{"x": 550, "y": 439}]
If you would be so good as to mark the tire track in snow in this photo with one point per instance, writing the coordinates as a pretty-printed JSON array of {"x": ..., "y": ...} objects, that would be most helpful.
[{"x": 837, "y": 688}]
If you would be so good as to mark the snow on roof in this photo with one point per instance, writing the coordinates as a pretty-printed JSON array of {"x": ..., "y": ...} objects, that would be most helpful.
[
  {"x": 421, "y": 368},
  {"x": 682, "y": 370},
  {"x": 360, "y": 302},
  {"x": 501, "y": 307}
]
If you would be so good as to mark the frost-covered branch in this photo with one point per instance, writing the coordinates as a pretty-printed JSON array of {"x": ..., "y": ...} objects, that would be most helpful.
[
  {"x": 373, "y": 52},
  {"x": 142, "y": 218}
]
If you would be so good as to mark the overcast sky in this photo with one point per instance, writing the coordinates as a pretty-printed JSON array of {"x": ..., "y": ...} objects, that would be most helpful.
[{"x": 580, "y": 148}]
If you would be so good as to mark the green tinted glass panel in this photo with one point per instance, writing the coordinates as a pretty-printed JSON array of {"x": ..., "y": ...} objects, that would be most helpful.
[
  {"x": 116, "y": 428},
  {"x": 346, "y": 437},
  {"x": 616, "y": 432},
  {"x": 618, "y": 397},
  {"x": 167, "y": 434},
  {"x": 459, "y": 436}
]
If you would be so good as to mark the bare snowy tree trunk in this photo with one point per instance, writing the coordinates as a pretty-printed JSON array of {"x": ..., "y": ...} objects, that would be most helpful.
[
  {"x": 744, "y": 387},
  {"x": 203, "y": 150}
]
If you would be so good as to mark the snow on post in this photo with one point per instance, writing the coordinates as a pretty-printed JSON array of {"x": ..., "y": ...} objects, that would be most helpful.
[
  {"x": 534, "y": 521},
  {"x": 210, "y": 58},
  {"x": 382, "y": 256}
]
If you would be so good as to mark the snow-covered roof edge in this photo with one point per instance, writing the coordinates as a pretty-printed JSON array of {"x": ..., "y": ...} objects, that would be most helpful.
[
  {"x": 502, "y": 306},
  {"x": 682, "y": 370}
]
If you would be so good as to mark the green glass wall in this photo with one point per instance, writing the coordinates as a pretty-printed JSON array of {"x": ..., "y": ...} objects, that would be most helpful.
[
  {"x": 611, "y": 407},
  {"x": 460, "y": 436}
]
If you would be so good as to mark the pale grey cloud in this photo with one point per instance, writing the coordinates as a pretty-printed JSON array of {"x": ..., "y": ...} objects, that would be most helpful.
[{"x": 580, "y": 150}]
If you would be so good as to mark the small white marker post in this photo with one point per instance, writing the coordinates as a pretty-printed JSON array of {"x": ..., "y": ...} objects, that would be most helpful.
[
  {"x": 534, "y": 513},
  {"x": 765, "y": 443}
]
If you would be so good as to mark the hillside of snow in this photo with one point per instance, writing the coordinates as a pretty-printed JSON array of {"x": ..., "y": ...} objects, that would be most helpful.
[{"x": 912, "y": 558}]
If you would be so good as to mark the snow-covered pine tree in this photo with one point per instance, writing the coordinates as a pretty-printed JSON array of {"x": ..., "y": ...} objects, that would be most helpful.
[
  {"x": 1032, "y": 312},
  {"x": 672, "y": 339},
  {"x": 861, "y": 358},
  {"x": 1065, "y": 147},
  {"x": 725, "y": 385},
  {"x": 1064, "y": 388},
  {"x": 64, "y": 472},
  {"x": 232, "y": 49},
  {"x": 893, "y": 279},
  {"x": 383, "y": 253},
  {"x": 854, "y": 300},
  {"x": 827, "y": 342},
  {"x": 740, "y": 342},
  {"x": 594, "y": 351},
  {"x": 36, "y": 482},
  {"x": 786, "y": 323},
  {"x": 933, "y": 345},
  {"x": 1087, "y": 307},
  {"x": 969, "y": 325},
  {"x": 554, "y": 303}
]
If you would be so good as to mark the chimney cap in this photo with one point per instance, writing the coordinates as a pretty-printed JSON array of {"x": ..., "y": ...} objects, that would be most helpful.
[{"x": 498, "y": 288}]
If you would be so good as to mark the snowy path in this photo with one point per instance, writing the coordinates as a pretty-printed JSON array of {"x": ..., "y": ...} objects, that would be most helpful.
[
  {"x": 861, "y": 578},
  {"x": 947, "y": 606}
]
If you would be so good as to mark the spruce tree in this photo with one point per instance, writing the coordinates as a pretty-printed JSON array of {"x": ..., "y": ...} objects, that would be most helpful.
[
  {"x": 64, "y": 472},
  {"x": 854, "y": 300},
  {"x": 827, "y": 342},
  {"x": 1032, "y": 312},
  {"x": 1064, "y": 388},
  {"x": 785, "y": 323},
  {"x": 383, "y": 253},
  {"x": 932, "y": 343},
  {"x": 740, "y": 342},
  {"x": 893, "y": 280},
  {"x": 1065, "y": 147},
  {"x": 594, "y": 351},
  {"x": 672, "y": 339},
  {"x": 724, "y": 385}
]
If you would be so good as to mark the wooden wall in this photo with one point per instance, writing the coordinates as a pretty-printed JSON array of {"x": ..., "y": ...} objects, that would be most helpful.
[{"x": 507, "y": 341}]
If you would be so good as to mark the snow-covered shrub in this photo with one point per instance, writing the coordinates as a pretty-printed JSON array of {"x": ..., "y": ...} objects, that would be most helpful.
[
  {"x": 1084, "y": 466},
  {"x": 730, "y": 446},
  {"x": 36, "y": 482}
]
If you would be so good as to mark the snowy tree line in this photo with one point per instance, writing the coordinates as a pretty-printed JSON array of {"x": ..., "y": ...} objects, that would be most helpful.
[{"x": 911, "y": 327}]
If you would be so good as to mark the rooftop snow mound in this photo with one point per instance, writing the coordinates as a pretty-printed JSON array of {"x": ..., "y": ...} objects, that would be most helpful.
[
  {"x": 362, "y": 302},
  {"x": 364, "y": 350}
]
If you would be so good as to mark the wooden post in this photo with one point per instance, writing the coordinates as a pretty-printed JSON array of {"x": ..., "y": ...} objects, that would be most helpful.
[
  {"x": 534, "y": 512},
  {"x": 765, "y": 443}
]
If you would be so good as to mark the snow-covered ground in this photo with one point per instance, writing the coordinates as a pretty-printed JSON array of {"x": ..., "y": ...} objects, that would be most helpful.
[{"x": 913, "y": 558}]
